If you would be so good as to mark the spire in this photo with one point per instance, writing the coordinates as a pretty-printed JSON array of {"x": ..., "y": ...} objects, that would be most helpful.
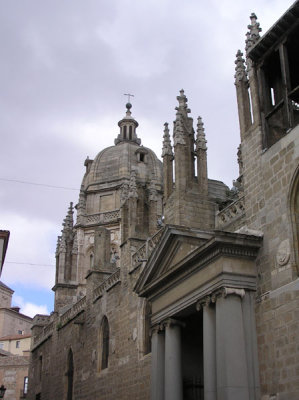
[
  {"x": 240, "y": 75},
  {"x": 68, "y": 224},
  {"x": 201, "y": 143},
  {"x": 254, "y": 33},
  {"x": 166, "y": 149},
  {"x": 128, "y": 127}
]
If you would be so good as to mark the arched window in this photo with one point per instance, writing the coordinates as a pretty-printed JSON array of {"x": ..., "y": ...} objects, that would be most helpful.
[
  {"x": 125, "y": 132},
  {"x": 70, "y": 375},
  {"x": 130, "y": 132},
  {"x": 104, "y": 343}
]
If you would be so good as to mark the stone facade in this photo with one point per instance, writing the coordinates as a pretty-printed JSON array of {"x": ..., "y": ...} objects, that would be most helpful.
[{"x": 171, "y": 286}]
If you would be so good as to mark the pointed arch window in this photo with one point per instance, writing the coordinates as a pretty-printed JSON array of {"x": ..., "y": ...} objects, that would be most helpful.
[
  {"x": 104, "y": 343},
  {"x": 70, "y": 375}
]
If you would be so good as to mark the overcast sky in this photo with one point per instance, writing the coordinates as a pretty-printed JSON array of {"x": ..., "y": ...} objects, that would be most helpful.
[{"x": 65, "y": 66}]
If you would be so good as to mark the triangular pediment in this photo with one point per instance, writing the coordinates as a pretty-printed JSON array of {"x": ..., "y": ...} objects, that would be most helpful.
[{"x": 170, "y": 254}]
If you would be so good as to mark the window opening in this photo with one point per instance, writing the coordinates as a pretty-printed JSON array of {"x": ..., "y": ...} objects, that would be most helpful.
[
  {"x": 17, "y": 344},
  {"x": 70, "y": 375},
  {"x": 105, "y": 343},
  {"x": 130, "y": 132},
  {"x": 25, "y": 387},
  {"x": 125, "y": 132}
]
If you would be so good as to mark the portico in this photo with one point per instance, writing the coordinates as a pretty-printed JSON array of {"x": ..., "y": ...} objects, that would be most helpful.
[{"x": 203, "y": 328}]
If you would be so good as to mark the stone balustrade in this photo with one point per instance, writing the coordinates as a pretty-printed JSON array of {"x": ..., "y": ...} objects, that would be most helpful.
[
  {"x": 58, "y": 322},
  {"x": 230, "y": 213},
  {"x": 143, "y": 253},
  {"x": 105, "y": 286},
  {"x": 100, "y": 218}
]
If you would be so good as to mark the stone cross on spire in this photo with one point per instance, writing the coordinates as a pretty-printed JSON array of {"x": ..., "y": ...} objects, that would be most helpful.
[{"x": 129, "y": 95}]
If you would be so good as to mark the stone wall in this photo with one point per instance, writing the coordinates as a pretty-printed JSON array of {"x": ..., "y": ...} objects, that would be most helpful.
[
  {"x": 13, "y": 370},
  {"x": 128, "y": 372}
]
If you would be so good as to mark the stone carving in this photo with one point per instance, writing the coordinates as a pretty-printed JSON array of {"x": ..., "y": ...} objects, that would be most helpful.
[
  {"x": 178, "y": 135},
  {"x": 283, "y": 253},
  {"x": 124, "y": 193},
  {"x": 133, "y": 186}
]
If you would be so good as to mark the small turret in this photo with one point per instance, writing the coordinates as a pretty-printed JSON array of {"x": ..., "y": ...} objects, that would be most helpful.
[{"x": 128, "y": 126}]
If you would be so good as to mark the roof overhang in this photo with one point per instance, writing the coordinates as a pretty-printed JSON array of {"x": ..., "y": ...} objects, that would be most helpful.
[{"x": 287, "y": 22}]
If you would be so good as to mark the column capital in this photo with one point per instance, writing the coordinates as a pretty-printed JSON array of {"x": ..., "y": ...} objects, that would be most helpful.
[
  {"x": 222, "y": 292},
  {"x": 206, "y": 301},
  {"x": 156, "y": 329},
  {"x": 172, "y": 322}
]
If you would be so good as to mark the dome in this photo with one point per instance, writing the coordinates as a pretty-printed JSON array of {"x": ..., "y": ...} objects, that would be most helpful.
[{"x": 114, "y": 164}]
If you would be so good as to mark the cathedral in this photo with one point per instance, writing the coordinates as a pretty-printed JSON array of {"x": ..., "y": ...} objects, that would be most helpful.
[{"x": 170, "y": 285}]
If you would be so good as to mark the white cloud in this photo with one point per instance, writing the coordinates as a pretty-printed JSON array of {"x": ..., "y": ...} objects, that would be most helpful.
[
  {"x": 31, "y": 242},
  {"x": 28, "y": 308}
]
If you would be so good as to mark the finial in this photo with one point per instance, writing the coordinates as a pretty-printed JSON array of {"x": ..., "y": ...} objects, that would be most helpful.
[
  {"x": 166, "y": 149},
  {"x": 240, "y": 69},
  {"x": 201, "y": 143},
  {"x": 254, "y": 32},
  {"x": 183, "y": 107}
]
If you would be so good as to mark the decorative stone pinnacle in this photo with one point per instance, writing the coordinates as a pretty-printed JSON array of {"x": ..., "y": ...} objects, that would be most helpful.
[
  {"x": 183, "y": 107},
  {"x": 240, "y": 69},
  {"x": 166, "y": 149},
  {"x": 68, "y": 222},
  {"x": 254, "y": 32},
  {"x": 201, "y": 143}
]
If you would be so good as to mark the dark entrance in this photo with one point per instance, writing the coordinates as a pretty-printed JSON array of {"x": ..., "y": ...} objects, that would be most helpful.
[{"x": 192, "y": 357}]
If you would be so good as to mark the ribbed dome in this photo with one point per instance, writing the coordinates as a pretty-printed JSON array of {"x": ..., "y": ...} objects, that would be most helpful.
[{"x": 115, "y": 163}]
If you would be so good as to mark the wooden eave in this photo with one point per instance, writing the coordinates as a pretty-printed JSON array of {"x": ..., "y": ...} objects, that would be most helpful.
[{"x": 276, "y": 34}]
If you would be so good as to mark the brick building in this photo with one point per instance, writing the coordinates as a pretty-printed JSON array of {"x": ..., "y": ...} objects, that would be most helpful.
[{"x": 169, "y": 285}]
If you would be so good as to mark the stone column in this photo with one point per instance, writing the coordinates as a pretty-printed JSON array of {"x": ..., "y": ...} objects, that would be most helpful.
[
  {"x": 173, "y": 362},
  {"x": 158, "y": 364},
  {"x": 209, "y": 350},
  {"x": 232, "y": 375}
]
